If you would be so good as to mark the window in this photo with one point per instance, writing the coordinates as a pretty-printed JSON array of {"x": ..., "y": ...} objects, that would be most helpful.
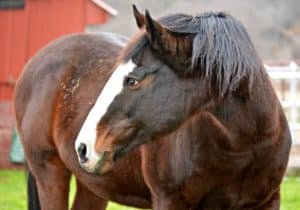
[{"x": 11, "y": 4}]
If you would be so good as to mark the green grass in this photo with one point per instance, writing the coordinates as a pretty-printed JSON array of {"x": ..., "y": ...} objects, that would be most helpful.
[
  {"x": 290, "y": 193},
  {"x": 13, "y": 192}
]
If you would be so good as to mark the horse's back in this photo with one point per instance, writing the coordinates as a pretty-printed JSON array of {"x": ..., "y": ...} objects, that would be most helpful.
[{"x": 54, "y": 70}]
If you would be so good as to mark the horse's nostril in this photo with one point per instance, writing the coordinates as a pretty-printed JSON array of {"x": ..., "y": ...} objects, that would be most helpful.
[{"x": 82, "y": 152}]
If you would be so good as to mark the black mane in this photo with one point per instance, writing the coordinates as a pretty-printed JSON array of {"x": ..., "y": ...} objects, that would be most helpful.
[{"x": 222, "y": 53}]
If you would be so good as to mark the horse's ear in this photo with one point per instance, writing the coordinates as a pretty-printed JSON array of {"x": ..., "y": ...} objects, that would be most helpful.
[
  {"x": 154, "y": 30},
  {"x": 176, "y": 47},
  {"x": 139, "y": 17}
]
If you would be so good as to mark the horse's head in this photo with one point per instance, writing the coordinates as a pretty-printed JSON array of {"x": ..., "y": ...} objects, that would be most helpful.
[{"x": 171, "y": 69}]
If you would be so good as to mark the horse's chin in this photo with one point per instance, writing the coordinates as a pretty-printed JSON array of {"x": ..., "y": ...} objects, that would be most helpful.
[
  {"x": 100, "y": 166},
  {"x": 93, "y": 165},
  {"x": 105, "y": 165},
  {"x": 106, "y": 160}
]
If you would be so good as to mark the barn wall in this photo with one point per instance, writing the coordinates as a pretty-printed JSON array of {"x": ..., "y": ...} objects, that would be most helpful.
[
  {"x": 12, "y": 53},
  {"x": 24, "y": 31},
  {"x": 47, "y": 20}
]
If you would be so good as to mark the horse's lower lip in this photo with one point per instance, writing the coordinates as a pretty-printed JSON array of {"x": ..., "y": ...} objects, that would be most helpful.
[
  {"x": 101, "y": 161},
  {"x": 112, "y": 154},
  {"x": 95, "y": 167}
]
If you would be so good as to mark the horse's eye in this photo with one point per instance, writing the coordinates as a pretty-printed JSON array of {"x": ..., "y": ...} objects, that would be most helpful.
[{"x": 131, "y": 82}]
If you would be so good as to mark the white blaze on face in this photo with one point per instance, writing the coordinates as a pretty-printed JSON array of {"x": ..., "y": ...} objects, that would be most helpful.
[{"x": 88, "y": 132}]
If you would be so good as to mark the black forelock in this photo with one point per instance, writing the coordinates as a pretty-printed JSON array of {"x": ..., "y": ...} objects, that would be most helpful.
[{"x": 222, "y": 53}]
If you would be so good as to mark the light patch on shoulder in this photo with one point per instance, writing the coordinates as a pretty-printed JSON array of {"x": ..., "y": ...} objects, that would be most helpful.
[{"x": 112, "y": 88}]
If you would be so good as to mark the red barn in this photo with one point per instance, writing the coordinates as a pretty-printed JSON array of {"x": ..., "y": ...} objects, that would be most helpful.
[{"x": 27, "y": 25}]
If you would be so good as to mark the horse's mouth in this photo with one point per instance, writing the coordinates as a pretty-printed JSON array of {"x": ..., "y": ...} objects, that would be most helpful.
[
  {"x": 112, "y": 148},
  {"x": 103, "y": 165},
  {"x": 107, "y": 160}
]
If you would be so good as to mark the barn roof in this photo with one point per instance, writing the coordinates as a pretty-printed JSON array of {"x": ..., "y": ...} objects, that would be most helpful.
[{"x": 110, "y": 10}]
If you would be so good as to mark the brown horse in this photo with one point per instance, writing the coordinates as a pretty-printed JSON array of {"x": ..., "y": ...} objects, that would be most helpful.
[
  {"x": 52, "y": 98},
  {"x": 191, "y": 90},
  {"x": 193, "y": 95}
]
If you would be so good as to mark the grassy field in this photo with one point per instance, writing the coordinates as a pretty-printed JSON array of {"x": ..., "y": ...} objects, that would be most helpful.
[{"x": 13, "y": 192}]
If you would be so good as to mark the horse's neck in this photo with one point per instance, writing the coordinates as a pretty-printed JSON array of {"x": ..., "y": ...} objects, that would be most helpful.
[
  {"x": 218, "y": 141},
  {"x": 178, "y": 156}
]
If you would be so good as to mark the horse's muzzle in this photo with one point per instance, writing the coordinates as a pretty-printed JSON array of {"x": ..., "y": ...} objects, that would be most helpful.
[
  {"x": 110, "y": 145},
  {"x": 99, "y": 165}
]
